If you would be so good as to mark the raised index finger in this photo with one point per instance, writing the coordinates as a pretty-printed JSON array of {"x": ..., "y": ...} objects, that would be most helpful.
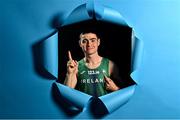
[{"x": 69, "y": 55}]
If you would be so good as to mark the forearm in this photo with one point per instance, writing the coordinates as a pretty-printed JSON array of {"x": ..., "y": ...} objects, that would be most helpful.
[{"x": 70, "y": 80}]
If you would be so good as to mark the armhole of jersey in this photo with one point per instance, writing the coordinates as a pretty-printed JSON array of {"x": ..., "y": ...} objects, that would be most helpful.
[
  {"x": 78, "y": 74},
  {"x": 79, "y": 64},
  {"x": 108, "y": 67},
  {"x": 107, "y": 64}
]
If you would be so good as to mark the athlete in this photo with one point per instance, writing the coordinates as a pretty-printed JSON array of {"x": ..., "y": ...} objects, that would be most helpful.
[{"x": 93, "y": 74}]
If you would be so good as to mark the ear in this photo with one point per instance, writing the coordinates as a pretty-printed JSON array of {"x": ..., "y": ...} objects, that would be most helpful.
[
  {"x": 80, "y": 43},
  {"x": 99, "y": 41}
]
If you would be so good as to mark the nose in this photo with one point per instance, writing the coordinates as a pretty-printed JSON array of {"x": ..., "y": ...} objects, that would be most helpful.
[{"x": 88, "y": 43}]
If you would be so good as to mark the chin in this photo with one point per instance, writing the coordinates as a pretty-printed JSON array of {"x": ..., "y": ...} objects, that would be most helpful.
[{"x": 90, "y": 53}]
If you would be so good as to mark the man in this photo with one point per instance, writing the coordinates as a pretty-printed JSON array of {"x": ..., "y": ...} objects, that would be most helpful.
[{"x": 93, "y": 74}]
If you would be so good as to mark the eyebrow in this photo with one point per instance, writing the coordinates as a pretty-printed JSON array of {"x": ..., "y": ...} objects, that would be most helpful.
[
  {"x": 93, "y": 38},
  {"x": 89, "y": 39}
]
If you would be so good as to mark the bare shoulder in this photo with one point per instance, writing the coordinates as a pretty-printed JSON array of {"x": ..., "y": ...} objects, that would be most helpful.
[
  {"x": 111, "y": 66},
  {"x": 114, "y": 70}
]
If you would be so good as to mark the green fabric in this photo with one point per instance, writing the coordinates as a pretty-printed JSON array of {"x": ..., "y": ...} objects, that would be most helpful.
[{"x": 91, "y": 81}]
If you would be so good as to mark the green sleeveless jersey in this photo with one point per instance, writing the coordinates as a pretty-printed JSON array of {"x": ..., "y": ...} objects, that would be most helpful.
[{"x": 91, "y": 81}]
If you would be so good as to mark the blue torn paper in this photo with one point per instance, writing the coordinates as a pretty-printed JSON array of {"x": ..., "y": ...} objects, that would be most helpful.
[
  {"x": 50, "y": 54},
  {"x": 92, "y": 10}
]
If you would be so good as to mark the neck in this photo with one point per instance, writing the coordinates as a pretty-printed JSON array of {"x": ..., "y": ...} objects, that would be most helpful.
[{"x": 93, "y": 59}]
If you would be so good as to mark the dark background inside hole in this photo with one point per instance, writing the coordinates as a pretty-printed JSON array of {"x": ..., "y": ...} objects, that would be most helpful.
[{"x": 115, "y": 45}]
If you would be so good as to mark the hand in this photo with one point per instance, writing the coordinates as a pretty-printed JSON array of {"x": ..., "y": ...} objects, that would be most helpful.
[
  {"x": 72, "y": 65},
  {"x": 110, "y": 85}
]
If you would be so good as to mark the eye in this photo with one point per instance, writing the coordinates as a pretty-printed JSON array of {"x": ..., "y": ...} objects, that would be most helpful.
[
  {"x": 93, "y": 40},
  {"x": 84, "y": 41}
]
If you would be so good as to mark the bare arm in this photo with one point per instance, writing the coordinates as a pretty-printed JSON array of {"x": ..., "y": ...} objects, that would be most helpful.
[
  {"x": 72, "y": 70},
  {"x": 70, "y": 80},
  {"x": 114, "y": 74},
  {"x": 114, "y": 71}
]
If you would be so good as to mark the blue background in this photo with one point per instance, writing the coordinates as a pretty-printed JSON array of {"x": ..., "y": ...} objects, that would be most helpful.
[{"x": 25, "y": 94}]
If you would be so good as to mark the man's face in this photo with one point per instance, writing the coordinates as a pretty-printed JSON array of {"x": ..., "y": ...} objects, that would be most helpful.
[{"x": 89, "y": 43}]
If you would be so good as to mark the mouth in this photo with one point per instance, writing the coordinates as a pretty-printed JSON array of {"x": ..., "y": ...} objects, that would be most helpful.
[{"x": 90, "y": 48}]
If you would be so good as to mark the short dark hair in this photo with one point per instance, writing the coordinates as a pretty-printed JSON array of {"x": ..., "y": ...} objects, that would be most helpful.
[{"x": 90, "y": 31}]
